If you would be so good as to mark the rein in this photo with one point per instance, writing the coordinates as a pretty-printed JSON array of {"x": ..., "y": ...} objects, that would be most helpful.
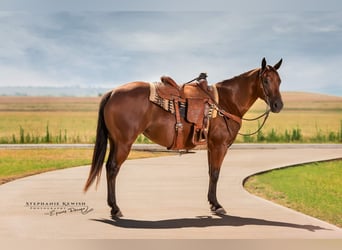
[{"x": 266, "y": 114}]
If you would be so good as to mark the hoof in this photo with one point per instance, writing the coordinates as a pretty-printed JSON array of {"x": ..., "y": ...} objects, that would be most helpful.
[
  {"x": 220, "y": 211},
  {"x": 116, "y": 214}
]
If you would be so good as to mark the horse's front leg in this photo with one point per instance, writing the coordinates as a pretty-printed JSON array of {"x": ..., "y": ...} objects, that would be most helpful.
[{"x": 215, "y": 159}]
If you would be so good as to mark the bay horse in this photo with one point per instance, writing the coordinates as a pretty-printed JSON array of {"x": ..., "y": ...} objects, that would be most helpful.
[{"x": 126, "y": 112}]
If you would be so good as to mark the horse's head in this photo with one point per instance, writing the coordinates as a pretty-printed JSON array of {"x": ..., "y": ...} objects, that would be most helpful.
[{"x": 269, "y": 86}]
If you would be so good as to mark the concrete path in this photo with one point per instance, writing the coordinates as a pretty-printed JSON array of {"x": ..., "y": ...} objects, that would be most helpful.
[{"x": 162, "y": 198}]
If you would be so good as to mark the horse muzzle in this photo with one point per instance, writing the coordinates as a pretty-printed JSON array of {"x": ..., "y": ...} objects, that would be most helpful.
[{"x": 276, "y": 105}]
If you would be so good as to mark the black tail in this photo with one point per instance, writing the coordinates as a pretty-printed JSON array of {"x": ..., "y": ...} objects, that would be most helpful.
[{"x": 100, "y": 146}]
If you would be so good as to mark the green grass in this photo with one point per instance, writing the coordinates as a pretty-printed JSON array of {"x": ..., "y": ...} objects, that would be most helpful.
[
  {"x": 314, "y": 189},
  {"x": 306, "y": 121},
  {"x": 71, "y": 126},
  {"x": 19, "y": 163}
]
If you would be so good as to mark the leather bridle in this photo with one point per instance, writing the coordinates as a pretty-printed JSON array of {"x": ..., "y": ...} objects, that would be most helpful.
[{"x": 263, "y": 82}]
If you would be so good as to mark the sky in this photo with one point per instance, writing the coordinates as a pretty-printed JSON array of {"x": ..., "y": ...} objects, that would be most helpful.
[{"x": 60, "y": 46}]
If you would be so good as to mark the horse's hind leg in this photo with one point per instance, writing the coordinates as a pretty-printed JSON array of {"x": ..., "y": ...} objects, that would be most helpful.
[{"x": 117, "y": 156}]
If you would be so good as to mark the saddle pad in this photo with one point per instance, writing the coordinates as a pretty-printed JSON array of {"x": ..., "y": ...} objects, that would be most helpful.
[{"x": 166, "y": 104}]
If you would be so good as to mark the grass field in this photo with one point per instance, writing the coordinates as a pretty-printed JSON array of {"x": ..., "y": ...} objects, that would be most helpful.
[
  {"x": 72, "y": 119},
  {"x": 312, "y": 117},
  {"x": 318, "y": 118},
  {"x": 15, "y": 164},
  {"x": 314, "y": 189}
]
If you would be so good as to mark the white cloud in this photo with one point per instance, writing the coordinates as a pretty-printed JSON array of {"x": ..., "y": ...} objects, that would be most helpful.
[
  {"x": 22, "y": 78},
  {"x": 305, "y": 74},
  {"x": 96, "y": 48}
]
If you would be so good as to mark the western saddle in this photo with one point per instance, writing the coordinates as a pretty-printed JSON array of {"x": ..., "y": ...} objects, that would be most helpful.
[{"x": 195, "y": 102}]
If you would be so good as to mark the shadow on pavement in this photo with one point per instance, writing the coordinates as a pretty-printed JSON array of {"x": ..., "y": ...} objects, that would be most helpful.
[{"x": 202, "y": 221}]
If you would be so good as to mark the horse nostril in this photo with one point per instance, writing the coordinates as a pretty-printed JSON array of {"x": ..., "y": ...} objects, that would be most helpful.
[{"x": 277, "y": 106}]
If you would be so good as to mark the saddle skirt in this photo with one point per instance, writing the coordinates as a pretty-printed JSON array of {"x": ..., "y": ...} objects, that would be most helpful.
[{"x": 188, "y": 101}]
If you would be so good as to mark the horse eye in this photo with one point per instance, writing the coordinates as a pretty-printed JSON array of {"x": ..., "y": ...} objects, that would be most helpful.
[{"x": 265, "y": 80}]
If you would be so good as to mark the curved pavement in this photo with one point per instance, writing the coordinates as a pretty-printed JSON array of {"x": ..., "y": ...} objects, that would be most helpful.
[{"x": 162, "y": 198}]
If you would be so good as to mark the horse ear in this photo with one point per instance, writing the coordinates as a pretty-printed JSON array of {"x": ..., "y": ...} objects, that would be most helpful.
[
  {"x": 263, "y": 64},
  {"x": 277, "y": 66}
]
